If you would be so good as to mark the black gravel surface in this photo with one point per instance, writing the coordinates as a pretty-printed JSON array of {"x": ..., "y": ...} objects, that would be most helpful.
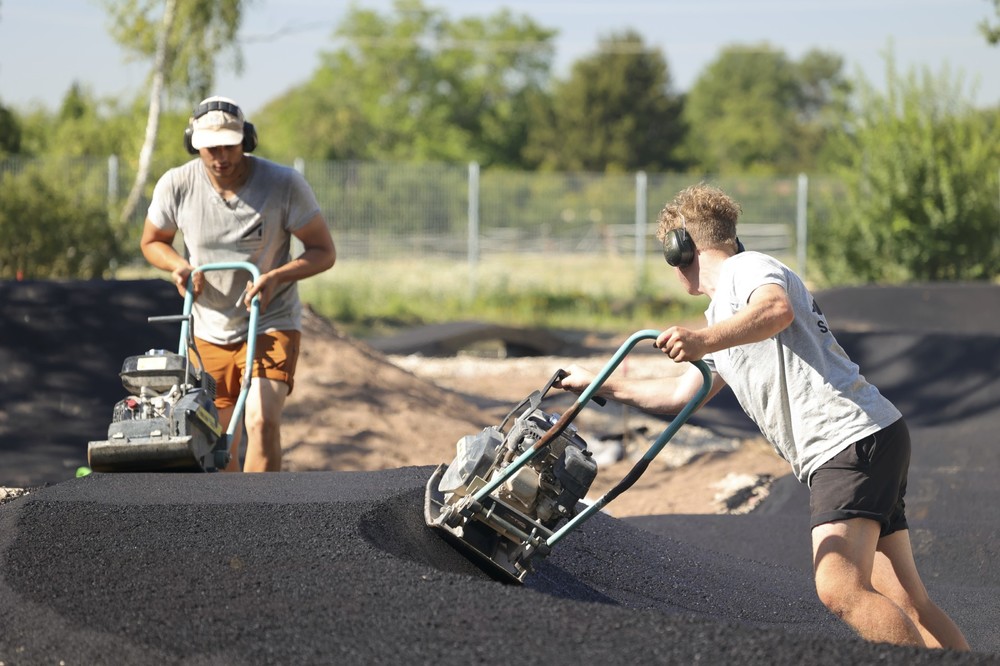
[
  {"x": 62, "y": 345},
  {"x": 329, "y": 568}
]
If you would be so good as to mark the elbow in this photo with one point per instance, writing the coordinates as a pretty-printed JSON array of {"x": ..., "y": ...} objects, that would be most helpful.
[
  {"x": 148, "y": 249},
  {"x": 785, "y": 315},
  {"x": 331, "y": 257},
  {"x": 321, "y": 257},
  {"x": 780, "y": 313}
]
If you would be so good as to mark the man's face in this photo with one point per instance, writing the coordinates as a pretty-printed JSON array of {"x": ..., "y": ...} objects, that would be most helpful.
[
  {"x": 222, "y": 161},
  {"x": 688, "y": 277}
]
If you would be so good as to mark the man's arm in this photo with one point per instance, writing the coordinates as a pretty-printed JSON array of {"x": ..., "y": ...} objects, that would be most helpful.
[
  {"x": 768, "y": 312},
  {"x": 662, "y": 395},
  {"x": 319, "y": 254},
  {"x": 157, "y": 247}
]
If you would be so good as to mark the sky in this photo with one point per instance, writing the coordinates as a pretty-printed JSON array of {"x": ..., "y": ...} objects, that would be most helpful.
[{"x": 47, "y": 45}]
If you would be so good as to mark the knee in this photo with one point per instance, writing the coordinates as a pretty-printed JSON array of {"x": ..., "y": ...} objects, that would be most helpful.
[
  {"x": 258, "y": 423},
  {"x": 837, "y": 596}
]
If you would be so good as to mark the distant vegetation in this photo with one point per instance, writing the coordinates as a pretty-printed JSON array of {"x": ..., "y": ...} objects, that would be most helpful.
[
  {"x": 917, "y": 165},
  {"x": 372, "y": 298}
]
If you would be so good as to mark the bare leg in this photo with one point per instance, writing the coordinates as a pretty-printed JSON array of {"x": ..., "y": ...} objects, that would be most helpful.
[
  {"x": 843, "y": 560},
  {"x": 895, "y": 576},
  {"x": 263, "y": 422}
]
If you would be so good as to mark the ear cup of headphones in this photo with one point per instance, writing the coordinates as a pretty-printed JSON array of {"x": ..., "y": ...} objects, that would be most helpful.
[
  {"x": 187, "y": 140},
  {"x": 249, "y": 137},
  {"x": 678, "y": 248}
]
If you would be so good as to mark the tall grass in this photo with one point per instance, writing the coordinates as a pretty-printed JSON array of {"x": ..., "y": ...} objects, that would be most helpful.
[{"x": 595, "y": 293}]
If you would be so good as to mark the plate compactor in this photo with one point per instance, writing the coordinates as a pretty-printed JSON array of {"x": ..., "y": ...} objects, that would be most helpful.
[
  {"x": 513, "y": 491},
  {"x": 168, "y": 422}
]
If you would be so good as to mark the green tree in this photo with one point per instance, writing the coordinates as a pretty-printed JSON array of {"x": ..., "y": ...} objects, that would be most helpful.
[
  {"x": 615, "y": 112},
  {"x": 51, "y": 232},
  {"x": 991, "y": 31},
  {"x": 919, "y": 166},
  {"x": 822, "y": 100},
  {"x": 72, "y": 145},
  {"x": 82, "y": 126},
  {"x": 416, "y": 85},
  {"x": 10, "y": 132},
  {"x": 755, "y": 111},
  {"x": 185, "y": 39}
]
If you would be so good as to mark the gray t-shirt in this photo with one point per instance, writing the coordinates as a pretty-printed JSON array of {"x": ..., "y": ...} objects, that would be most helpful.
[
  {"x": 256, "y": 227},
  {"x": 800, "y": 388}
]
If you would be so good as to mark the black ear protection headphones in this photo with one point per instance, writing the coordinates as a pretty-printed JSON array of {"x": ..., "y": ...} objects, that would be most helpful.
[
  {"x": 678, "y": 248},
  {"x": 249, "y": 131}
]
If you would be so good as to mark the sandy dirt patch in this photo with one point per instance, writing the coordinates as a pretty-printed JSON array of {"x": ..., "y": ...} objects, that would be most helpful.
[{"x": 354, "y": 408}]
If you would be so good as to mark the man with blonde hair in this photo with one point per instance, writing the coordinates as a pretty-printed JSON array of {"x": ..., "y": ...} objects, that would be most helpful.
[{"x": 767, "y": 339}]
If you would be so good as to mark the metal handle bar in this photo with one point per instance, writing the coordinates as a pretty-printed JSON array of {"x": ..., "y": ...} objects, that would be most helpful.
[
  {"x": 587, "y": 394},
  {"x": 251, "y": 331}
]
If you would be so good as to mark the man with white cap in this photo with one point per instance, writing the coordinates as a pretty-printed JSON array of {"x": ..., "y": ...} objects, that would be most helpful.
[{"x": 231, "y": 206}]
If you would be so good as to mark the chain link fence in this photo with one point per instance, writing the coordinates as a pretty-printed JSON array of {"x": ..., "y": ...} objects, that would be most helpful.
[{"x": 382, "y": 211}]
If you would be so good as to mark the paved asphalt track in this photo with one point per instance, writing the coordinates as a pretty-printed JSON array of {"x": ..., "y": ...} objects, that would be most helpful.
[
  {"x": 62, "y": 345},
  {"x": 328, "y": 567}
]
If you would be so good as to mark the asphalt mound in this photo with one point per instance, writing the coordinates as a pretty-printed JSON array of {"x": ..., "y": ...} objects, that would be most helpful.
[
  {"x": 327, "y": 567},
  {"x": 62, "y": 345},
  {"x": 956, "y": 308},
  {"x": 330, "y": 567}
]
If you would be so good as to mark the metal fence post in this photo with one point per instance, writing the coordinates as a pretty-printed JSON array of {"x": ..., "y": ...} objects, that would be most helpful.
[
  {"x": 473, "y": 240},
  {"x": 801, "y": 224},
  {"x": 641, "y": 204}
]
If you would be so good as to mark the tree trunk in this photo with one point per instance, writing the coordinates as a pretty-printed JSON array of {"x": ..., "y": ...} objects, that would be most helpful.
[{"x": 160, "y": 68}]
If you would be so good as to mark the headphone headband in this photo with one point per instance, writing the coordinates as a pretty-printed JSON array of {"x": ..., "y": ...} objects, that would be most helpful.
[{"x": 217, "y": 105}]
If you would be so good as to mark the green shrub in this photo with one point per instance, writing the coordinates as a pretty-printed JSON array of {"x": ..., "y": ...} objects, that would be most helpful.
[{"x": 49, "y": 234}]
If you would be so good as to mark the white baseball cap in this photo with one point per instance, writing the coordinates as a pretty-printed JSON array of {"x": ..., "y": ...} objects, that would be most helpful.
[{"x": 220, "y": 123}]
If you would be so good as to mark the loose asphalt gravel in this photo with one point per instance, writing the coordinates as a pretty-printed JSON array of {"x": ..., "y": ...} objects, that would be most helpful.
[{"x": 330, "y": 567}]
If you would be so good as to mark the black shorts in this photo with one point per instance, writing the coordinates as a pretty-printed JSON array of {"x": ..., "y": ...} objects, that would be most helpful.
[{"x": 865, "y": 480}]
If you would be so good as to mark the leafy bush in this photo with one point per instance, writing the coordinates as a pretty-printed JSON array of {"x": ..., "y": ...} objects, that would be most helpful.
[
  {"x": 919, "y": 168},
  {"x": 50, "y": 234}
]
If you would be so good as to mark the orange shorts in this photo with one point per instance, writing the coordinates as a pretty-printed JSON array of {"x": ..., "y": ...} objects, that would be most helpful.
[{"x": 274, "y": 358}]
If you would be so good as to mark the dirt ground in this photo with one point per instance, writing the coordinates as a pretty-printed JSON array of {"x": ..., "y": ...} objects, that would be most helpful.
[{"x": 354, "y": 408}]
